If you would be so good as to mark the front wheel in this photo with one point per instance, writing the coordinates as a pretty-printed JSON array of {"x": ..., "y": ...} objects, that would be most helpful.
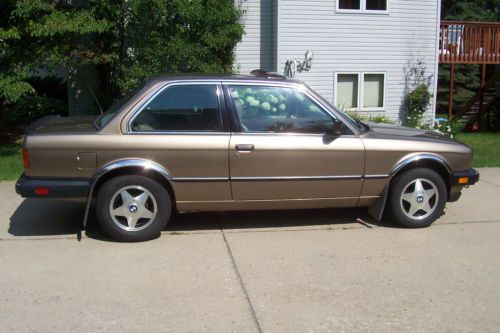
[
  {"x": 133, "y": 208},
  {"x": 417, "y": 198}
]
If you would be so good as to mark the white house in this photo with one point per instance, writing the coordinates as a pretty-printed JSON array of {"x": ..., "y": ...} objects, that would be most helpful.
[{"x": 362, "y": 49}]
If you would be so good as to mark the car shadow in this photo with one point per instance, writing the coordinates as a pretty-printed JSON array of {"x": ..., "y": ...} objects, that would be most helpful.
[{"x": 48, "y": 217}]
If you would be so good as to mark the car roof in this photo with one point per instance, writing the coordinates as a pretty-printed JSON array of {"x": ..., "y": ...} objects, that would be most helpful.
[{"x": 221, "y": 77}]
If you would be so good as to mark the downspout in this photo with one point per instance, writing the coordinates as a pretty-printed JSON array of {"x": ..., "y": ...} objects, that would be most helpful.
[
  {"x": 277, "y": 40},
  {"x": 436, "y": 67}
]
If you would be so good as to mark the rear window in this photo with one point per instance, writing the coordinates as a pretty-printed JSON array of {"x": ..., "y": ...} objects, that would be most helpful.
[{"x": 104, "y": 118}]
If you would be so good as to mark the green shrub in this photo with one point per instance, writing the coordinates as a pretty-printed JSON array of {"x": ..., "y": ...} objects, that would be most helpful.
[
  {"x": 417, "y": 102},
  {"x": 33, "y": 107},
  {"x": 375, "y": 118}
]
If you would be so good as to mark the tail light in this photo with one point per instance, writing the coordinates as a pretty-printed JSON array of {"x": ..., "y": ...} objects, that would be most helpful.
[{"x": 26, "y": 158}]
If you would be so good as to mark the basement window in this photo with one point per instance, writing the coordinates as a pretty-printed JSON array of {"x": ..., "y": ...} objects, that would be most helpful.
[{"x": 360, "y": 91}]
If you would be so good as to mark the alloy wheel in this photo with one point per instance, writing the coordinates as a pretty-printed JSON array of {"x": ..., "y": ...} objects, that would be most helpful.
[
  {"x": 133, "y": 208},
  {"x": 419, "y": 199}
]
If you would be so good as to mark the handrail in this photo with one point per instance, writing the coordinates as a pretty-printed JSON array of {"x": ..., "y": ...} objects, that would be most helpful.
[{"x": 464, "y": 42}]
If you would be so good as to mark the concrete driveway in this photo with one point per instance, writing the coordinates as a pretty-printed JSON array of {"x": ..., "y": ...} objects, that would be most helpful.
[{"x": 287, "y": 271}]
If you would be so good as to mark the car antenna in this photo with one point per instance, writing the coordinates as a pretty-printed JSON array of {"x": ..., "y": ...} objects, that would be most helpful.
[{"x": 95, "y": 98}]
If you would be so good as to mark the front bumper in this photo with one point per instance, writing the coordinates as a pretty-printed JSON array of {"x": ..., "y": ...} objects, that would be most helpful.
[
  {"x": 464, "y": 178},
  {"x": 32, "y": 187}
]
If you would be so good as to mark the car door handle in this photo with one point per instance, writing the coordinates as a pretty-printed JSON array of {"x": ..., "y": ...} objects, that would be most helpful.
[{"x": 246, "y": 147}]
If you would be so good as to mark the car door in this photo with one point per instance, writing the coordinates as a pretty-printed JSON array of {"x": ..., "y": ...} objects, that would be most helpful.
[
  {"x": 181, "y": 127},
  {"x": 286, "y": 148}
]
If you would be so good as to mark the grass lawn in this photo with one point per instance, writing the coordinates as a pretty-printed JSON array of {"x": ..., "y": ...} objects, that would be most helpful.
[
  {"x": 486, "y": 148},
  {"x": 11, "y": 163}
]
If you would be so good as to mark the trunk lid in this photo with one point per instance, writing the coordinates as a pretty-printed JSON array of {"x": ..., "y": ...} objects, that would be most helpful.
[{"x": 57, "y": 124}]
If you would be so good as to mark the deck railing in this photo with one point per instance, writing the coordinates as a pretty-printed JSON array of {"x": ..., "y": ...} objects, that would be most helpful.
[{"x": 469, "y": 43}]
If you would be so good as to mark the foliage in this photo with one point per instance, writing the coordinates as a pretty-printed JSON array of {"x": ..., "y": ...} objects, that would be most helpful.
[
  {"x": 417, "y": 102},
  {"x": 471, "y": 10},
  {"x": 417, "y": 96},
  {"x": 127, "y": 39},
  {"x": 176, "y": 36},
  {"x": 34, "y": 107},
  {"x": 43, "y": 34},
  {"x": 446, "y": 127},
  {"x": 372, "y": 118}
]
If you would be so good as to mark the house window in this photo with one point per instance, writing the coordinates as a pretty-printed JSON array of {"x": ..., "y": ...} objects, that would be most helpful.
[
  {"x": 360, "y": 91},
  {"x": 347, "y": 91},
  {"x": 376, "y": 4},
  {"x": 371, "y": 6},
  {"x": 350, "y": 4},
  {"x": 373, "y": 91}
]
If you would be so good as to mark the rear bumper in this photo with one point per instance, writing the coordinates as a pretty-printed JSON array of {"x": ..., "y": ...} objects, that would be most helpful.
[
  {"x": 464, "y": 178},
  {"x": 29, "y": 187}
]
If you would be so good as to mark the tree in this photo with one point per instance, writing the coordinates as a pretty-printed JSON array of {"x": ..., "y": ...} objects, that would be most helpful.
[
  {"x": 44, "y": 34},
  {"x": 176, "y": 36},
  {"x": 128, "y": 39}
]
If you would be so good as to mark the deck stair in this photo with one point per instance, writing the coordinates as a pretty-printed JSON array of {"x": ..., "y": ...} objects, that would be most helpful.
[{"x": 483, "y": 100}]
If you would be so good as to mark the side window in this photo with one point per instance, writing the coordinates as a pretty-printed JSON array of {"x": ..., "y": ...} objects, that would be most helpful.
[
  {"x": 280, "y": 110},
  {"x": 181, "y": 108}
]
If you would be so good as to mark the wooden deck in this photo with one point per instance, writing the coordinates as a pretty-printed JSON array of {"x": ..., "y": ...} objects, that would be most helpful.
[{"x": 469, "y": 43}]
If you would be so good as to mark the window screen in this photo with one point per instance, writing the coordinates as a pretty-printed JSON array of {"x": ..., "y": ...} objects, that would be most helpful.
[
  {"x": 181, "y": 108},
  {"x": 347, "y": 91},
  {"x": 373, "y": 91}
]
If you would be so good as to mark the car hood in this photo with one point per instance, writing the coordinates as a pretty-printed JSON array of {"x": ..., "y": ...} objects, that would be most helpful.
[
  {"x": 401, "y": 132},
  {"x": 56, "y": 124}
]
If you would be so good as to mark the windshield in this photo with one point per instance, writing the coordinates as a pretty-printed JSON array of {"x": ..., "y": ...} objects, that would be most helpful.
[{"x": 104, "y": 118}]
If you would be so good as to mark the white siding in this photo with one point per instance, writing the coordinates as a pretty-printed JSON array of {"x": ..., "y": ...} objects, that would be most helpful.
[
  {"x": 341, "y": 42},
  {"x": 257, "y": 47}
]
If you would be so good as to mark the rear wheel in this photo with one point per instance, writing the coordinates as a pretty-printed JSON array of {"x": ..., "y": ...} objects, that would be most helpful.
[
  {"x": 133, "y": 208},
  {"x": 417, "y": 198}
]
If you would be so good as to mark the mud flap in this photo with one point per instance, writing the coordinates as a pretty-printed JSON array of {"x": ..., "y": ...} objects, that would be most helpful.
[{"x": 376, "y": 210}]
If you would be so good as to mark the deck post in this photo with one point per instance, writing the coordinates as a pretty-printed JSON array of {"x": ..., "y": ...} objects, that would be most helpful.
[
  {"x": 452, "y": 87},
  {"x": 481, "y": 100}
]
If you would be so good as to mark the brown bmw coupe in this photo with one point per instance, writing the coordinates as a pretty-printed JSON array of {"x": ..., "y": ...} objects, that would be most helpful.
[{"x": 237, "y": 143}]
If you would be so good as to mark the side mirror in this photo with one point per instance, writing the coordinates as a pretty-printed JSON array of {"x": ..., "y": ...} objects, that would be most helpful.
[
  {"x": 336, "y": 130},
  {"x": 333, "y": 133}
]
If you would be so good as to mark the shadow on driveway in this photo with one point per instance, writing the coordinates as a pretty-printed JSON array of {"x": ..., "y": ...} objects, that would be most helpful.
[{"x": 48, "y": 217}]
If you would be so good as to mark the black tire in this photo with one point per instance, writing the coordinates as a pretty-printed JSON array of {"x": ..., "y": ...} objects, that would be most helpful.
[
  {"x": 404, "y": 186},
  {"x": 157, "y": 204}
]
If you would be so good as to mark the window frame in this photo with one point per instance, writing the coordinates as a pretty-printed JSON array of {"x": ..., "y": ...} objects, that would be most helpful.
[
  {"x": 361, "y": 91},
  {"x": 221, "y": 110},
  {"x": 362, "y": 9},
  {"x": 236, "y": 123}
]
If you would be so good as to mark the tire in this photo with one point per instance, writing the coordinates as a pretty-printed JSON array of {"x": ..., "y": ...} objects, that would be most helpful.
[
  {"x": 417, "y": 198},
  {"x": 133, "y": 208}
]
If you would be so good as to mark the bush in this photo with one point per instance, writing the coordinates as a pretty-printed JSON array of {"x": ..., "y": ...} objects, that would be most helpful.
[
  {"x": 376, "y": 118},
  {"x": 417, "y": 102},
  {"x": 34, "y": 107}
]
